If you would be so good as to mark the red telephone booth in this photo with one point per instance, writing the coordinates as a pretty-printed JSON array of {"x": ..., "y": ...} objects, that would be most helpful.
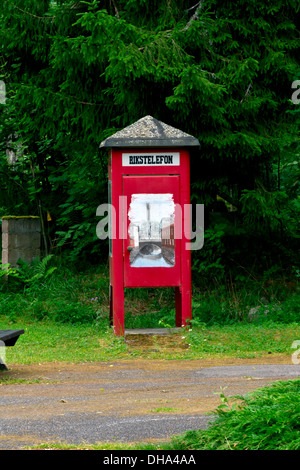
[{"x": 149, "y": 196}]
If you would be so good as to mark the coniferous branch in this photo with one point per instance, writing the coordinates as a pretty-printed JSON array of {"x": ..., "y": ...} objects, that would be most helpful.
[
  {"x": 74, "y": 6},
  {"x": 194, "y": 16},
  {"x": 60, "y": 95},
  {"x": 116, "y": 9},
  {"x": 30, "y": 14}
]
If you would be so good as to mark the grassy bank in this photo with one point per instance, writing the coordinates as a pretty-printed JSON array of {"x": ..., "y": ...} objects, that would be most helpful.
[
  {"x": 48, "y": 341},
  {"x": 66, "y": 318}
]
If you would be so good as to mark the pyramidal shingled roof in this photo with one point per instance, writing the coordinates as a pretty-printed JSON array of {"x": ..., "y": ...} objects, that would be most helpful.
[{"x": 149, "y": 132}]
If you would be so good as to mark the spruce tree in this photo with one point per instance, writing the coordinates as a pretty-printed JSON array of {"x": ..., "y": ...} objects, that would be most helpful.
[{"x": 77, "y": 71}]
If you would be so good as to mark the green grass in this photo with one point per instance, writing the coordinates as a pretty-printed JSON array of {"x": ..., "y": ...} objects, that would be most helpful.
[
  {"x": 48, "y": 341},
  {"x": 244, "y": 340},
  {"x": 65, "y": 315}
]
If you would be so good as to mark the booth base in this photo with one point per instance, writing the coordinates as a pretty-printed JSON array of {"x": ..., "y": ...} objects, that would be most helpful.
[
  {"x": 152, "y": 331},
  {"x": 156, "y": 340}
]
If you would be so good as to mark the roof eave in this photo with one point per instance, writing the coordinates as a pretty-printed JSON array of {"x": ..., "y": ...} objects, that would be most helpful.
[{"x": 140, "y": 143}]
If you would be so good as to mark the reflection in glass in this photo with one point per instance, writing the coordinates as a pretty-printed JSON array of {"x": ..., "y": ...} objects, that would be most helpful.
[{"x": 151, "y": 230}]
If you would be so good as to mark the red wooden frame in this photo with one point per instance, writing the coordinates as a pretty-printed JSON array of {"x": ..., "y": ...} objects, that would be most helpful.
[
  {"x": 140, "y": 179},
  {"x": 151, "y": 276}
]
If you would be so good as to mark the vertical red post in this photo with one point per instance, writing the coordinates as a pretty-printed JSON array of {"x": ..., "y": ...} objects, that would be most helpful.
[
  {"x": 183, "y": 296},
  {"x": 117, "y": 276}
]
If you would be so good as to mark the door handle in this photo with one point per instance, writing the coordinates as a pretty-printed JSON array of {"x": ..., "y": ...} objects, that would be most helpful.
[{"x": 130, "y": 248}]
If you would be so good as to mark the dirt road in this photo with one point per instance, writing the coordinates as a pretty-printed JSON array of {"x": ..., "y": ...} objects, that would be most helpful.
[{"x": 127, "y": 400}]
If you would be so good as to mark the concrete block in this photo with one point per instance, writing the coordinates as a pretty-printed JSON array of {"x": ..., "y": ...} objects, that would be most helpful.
[
  {"x": 4, "y": 225},
  {"x": 21, "y": 239},
  {"x": 21, "y": 225},
  {"x": 4, "y": 256}
]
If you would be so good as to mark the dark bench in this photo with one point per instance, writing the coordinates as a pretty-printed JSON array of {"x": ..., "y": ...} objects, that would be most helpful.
[{"x": 8, "y": 338}]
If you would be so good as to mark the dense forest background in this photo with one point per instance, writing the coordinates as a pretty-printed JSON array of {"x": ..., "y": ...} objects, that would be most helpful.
[{"x": 75, "y": 72}]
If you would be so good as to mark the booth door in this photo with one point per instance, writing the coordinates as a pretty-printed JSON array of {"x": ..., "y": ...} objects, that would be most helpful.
[{"x": 150, "y": 226}]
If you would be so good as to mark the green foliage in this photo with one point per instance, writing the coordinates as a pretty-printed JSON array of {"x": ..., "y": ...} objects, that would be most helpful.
[
  {"x": 247, "y": 302},
  {"x": 51, "y": 290},
  {"x": 11, "y": 304},
  {"x": 36, "y": 272},
  {"x": 287, "y": 311},
  {"x": 208, "y": 262},
  {"x": 45, "y": 291},
  {"x": 72, "y": 312},
  {"x": 6, "y": 270},
  {"x": 267, "y": 419},
  {"x": 77, "y": 72},
  {"x": 230, "y": 322},
  {"x": 27, "y": 276}
]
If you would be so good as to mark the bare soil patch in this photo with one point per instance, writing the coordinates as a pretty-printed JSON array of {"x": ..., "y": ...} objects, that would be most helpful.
[{"x": 124, "y": 387}]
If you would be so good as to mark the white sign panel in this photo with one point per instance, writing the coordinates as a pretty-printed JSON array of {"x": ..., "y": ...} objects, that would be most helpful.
[{"x": 149, "y": 159}]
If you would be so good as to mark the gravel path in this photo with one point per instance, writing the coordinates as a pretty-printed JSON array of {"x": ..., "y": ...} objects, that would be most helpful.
[{"x": 135, "y": 400}]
